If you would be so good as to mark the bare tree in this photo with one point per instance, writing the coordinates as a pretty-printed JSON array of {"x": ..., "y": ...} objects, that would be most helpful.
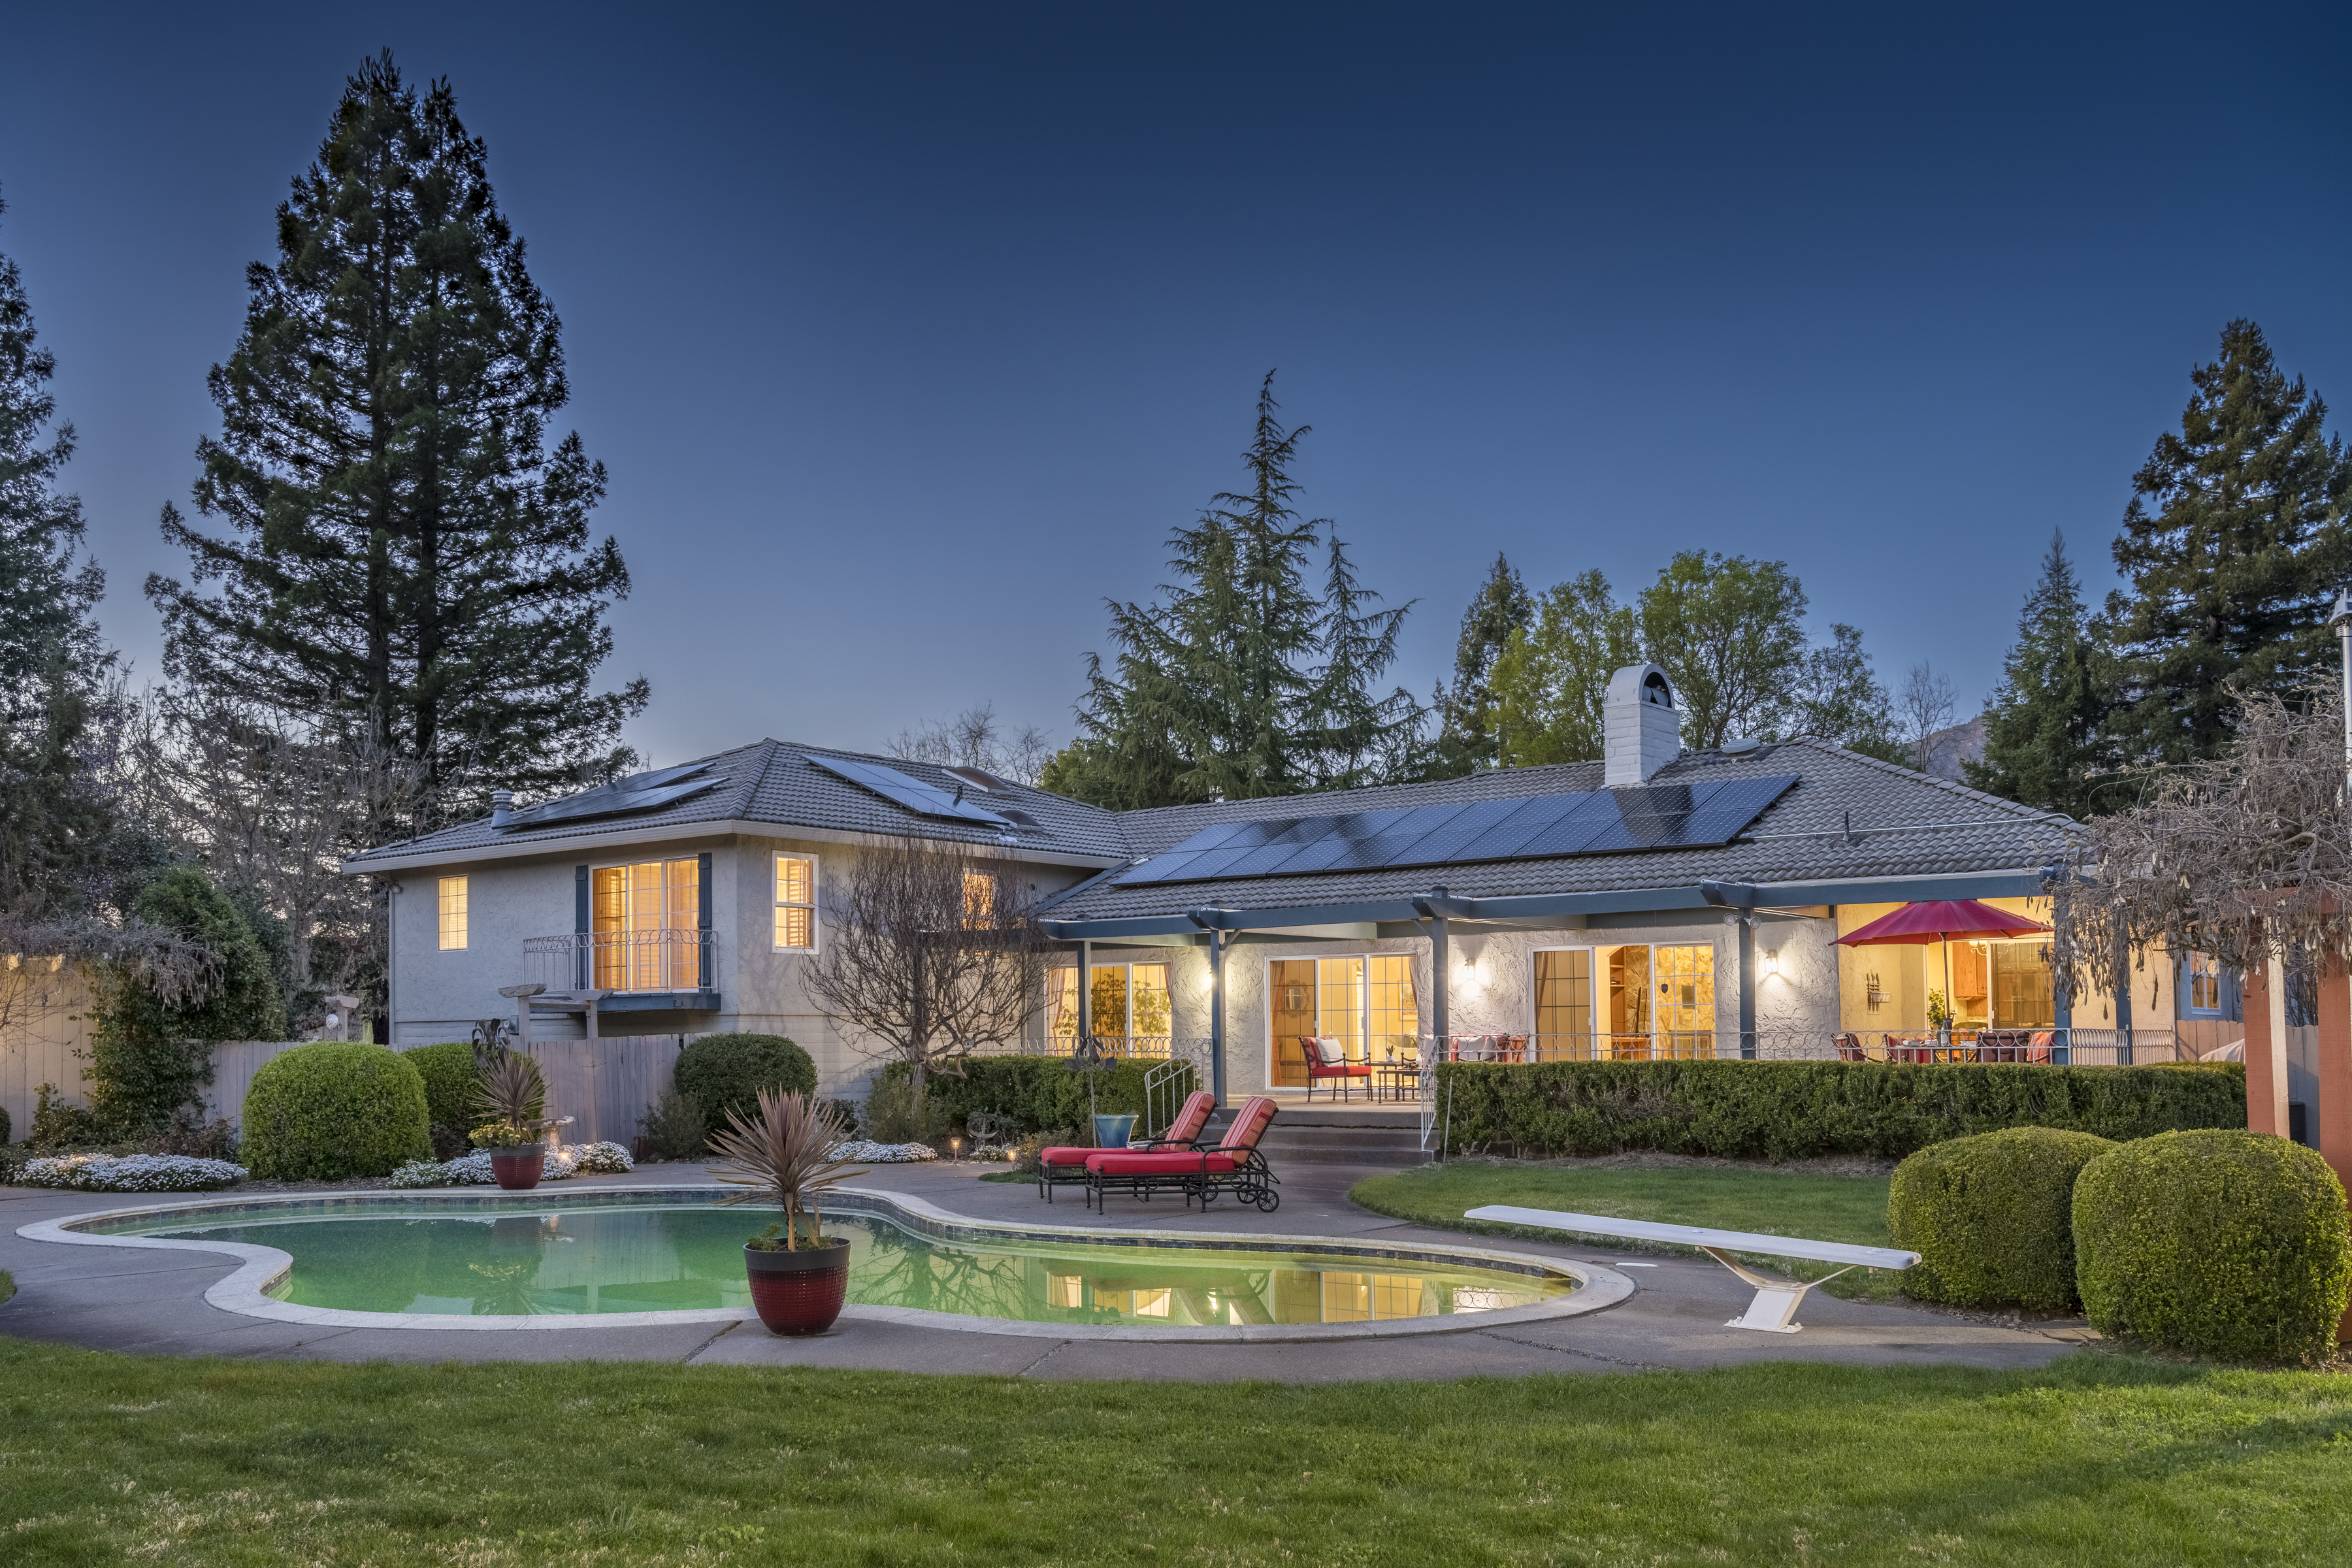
[
  {"x": 976, "y": 738},
  {"x": 927, "y": 954},
  {"x": 2247, "y": 858},
  {"x": 36, "y": 955},
  {"x": 1924, "y": 706}
]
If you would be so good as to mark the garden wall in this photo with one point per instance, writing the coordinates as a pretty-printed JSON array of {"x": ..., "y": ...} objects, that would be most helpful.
[{"x": 1784, "y": 1111}]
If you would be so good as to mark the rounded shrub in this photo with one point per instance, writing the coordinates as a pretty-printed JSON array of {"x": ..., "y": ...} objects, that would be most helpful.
[
  {"x": 1992, "y": 1216},
  {"x": 449, "y": 1078},
  {"x": 2228, "y": 1243},
  {"x": 726, "y": 1072},
  {"x": 327, "y": 1111}
]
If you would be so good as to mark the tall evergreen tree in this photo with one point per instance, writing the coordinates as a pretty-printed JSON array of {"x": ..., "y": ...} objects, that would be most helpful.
[
  {"x": 2231, "y": 552},
  {"x": 1465, "y": 708},
  {"x": 408, "y": 553},
  {"x": 53, "y": 813},
  {"x": 1245, "y": 681},
  {"x": 2043, "y": 746}
]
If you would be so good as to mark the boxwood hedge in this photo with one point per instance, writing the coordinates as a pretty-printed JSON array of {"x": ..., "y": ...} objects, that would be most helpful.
[
  {"x": 1040, "y": 1094},
  {"x": 726, "y": 1072},
  {"x": 449, "y": 1078},
  {"x": 1785, "y": 1110},
  {"x": 2228, "y": 1243},
  {"x": 330, "y": 1110},
  {"x": 1992, "y": 1216}
]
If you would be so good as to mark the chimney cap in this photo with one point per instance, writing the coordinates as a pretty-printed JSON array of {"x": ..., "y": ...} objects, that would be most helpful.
[
  {"x": 1642, "y": 683},
  {"x": 501, "y": 806}
]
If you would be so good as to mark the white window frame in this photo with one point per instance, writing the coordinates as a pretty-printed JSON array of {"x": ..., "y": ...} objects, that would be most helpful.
[
  {"x": 817, "y": 926},
  {"x": 464, "y": 914}
]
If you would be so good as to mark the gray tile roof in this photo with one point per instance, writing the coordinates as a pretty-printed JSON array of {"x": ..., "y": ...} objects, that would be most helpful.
[
  {"x": 773, "y": 783},
  {"x": 1905, "y": 823}
]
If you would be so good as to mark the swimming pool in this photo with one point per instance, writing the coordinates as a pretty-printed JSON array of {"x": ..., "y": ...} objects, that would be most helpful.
[{"x": 623, "y": 1255}]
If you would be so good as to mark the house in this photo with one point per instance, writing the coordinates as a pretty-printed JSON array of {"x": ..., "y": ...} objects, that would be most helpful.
[{"x": 1656, "y": 902}]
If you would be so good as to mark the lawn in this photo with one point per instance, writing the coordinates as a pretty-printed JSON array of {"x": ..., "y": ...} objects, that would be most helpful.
[
  {"x": 2098, "y": 1459},
  {"x": 1751, "y": 1198}
]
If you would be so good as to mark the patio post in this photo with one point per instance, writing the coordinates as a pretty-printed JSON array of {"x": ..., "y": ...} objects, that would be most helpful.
[
  {"x": 1217, "y": 1014},
  {"x": 1086, "y": 988},
  {"x": 1745, "y": 920},
  {"x": 2123, "y": 1002},
  {"x": 2334, "y": 1065},
  {"x": 2264, "y": 1006}
]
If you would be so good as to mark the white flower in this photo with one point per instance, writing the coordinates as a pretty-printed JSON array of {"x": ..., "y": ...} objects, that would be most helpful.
[
  {"x": 870, "y": 1153},
  {"x": 474, "y": 1169},
  {"x": 132, "y": 1173},
  {"x": 598, "y": 1159}
]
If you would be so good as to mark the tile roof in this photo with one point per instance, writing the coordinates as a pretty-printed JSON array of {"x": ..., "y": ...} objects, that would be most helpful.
[
  {"x": 1903, "y": 823},
  {"x": 773, "y": 783}
]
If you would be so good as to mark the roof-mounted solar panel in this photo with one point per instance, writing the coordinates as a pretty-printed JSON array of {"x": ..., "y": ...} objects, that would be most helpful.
[
  {"x": 639, "y": 791},
  {"x": 1528, "y": 827},
  {"x": 922, "y": 799}
]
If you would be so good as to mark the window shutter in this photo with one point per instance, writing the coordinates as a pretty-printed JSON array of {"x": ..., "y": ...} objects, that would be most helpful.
[
  {"x": 702, "y": 917},
  {"x": 579, "y": 926}
]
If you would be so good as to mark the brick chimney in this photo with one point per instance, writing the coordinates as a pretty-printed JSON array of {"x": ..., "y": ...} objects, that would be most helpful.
[{"x": 1642, "y": 731}]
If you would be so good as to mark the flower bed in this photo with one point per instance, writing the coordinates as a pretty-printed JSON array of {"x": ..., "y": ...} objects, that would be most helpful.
[
  {"x": 132, "y": 1174},
  {"x": 871, "y": 1154},
  {"x": 474, "y": 1169}
]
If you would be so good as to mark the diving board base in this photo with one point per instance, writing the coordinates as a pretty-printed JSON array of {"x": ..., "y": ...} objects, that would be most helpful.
[{"x": 1777, "y": 1300}]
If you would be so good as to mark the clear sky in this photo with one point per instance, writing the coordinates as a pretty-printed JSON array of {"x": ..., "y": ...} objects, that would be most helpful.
[{"x": 908, "y": 332}]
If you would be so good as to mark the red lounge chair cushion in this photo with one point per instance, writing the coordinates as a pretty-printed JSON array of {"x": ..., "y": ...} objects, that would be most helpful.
[
  {"x": 1116, "y": 1162},
  {"x": 1064, "y": 1155},
  {"x": 1199, "y": 1106}
]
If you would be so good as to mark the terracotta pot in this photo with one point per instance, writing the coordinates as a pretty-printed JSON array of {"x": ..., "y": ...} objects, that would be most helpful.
[
  {"x": 518, "y": 1170},
  {"x": 799, "y": 1293}
]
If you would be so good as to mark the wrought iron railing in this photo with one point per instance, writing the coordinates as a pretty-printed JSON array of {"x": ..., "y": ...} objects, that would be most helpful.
[{"x": 667, "y": 958}]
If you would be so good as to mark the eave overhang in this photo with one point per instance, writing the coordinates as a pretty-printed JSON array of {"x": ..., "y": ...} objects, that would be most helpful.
[{"x": 729, "y": 827}]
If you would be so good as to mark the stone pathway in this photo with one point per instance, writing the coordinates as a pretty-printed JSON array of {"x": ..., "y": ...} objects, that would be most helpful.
[{"x": 152, "y": 1302}]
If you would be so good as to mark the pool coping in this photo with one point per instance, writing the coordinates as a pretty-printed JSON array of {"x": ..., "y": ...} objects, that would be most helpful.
[{"x": 245, "y": 1289}]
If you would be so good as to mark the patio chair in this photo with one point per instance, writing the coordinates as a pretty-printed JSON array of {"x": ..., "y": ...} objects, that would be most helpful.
[
  {"x": 1326, "y": 1059},
  {"x": 1234, "y": 1165},
  {"x": 1849, "y": 1048},
  {"x": 1067, "y": 1162}
]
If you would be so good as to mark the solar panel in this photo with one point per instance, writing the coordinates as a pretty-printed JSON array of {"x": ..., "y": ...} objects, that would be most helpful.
[
  {"x": 1527, "y": 828},
  {"x": 639, "y": 791},
  {"x": 922, "y": 799}
]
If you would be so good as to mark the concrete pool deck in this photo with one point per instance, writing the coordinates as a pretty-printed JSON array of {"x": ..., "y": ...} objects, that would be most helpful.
[{"x": 152, "y": 1302}]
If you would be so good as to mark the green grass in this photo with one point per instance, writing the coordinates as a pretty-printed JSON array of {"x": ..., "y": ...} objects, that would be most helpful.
[
  {"x": 2096, "y": 1460},
  {"x": 1751, "y": 1198}
]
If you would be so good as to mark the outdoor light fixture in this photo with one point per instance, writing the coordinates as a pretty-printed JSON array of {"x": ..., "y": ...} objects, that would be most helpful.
[{"x": 1771, "y": 963}]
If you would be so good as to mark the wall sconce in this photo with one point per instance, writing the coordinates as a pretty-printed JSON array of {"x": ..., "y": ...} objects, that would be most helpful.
[{"x": 1772, "y": 964}]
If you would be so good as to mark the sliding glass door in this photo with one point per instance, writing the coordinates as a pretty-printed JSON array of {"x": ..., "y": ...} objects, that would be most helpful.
[
  {"x": 1633, "y": 1002},
  {"x": 1368, "y": 1004}
]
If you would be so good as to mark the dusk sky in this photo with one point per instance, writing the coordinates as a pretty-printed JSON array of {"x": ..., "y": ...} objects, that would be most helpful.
[{"x": 907, "y": 333}]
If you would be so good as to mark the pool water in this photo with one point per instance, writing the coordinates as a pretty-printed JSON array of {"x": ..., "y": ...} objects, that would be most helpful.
[{"x": 674, "y": 1258}]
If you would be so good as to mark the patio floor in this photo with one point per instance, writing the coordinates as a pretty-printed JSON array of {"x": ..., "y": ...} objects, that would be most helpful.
[{"x": 152, "y": 1302}]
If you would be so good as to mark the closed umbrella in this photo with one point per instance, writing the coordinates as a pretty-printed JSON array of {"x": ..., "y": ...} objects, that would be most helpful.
[{"x": 1918, "y": 924}]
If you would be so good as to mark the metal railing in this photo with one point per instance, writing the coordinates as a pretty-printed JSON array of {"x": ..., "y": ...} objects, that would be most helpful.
[{"x": 668, "y": 957}]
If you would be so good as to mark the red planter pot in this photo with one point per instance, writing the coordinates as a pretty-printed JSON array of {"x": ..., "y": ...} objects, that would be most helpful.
[
  {"x": 518, "y": 1170},
  {"x": 799, "y": 1293}
]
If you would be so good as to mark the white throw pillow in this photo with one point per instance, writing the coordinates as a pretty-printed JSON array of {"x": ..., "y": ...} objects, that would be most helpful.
[{"x": 1333, "y": 1053}]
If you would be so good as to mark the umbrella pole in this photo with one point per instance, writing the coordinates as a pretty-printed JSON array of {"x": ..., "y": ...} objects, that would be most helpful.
[{"x": 1950, "y": 1017}]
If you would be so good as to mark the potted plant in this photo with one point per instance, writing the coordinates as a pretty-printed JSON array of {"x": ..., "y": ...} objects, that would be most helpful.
[
  {"x": 512, "y": 1093},
  {"x": 783, "y": 1154}
]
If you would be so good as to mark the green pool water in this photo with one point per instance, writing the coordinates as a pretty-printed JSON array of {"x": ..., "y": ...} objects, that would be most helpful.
[{"x": 673, "y": 1259}]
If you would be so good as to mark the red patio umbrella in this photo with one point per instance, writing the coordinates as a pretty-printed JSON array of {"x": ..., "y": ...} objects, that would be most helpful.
[{"x": 1919, "y": 925}]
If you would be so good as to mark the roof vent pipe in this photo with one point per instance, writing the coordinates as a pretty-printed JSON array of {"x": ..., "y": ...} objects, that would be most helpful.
[
  {"x": 501, "y": 806},
  {"x": 1640, "y": 729}
]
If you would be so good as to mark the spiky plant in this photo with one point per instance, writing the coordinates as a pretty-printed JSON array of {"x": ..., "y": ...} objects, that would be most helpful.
[
  {"x": 783, "y": 1154},
  {"x": 510, "y": 1092}
]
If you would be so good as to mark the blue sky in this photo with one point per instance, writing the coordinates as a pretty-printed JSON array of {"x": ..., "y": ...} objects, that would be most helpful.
[{"x": 908, "y": 332}]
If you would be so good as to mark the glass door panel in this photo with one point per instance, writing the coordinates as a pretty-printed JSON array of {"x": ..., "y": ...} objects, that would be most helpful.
[
  {"x": 1394, "y": 1025},
  {"x": 1148, "y": 993},
  {"x": 1564, "y": 1005},
  {"x": 1685, "y": 1002},
  {"x": 1340, "y": 981},
  {"x": 1292, "y": 1008},
  {"x": 1629, "y": 1003}
]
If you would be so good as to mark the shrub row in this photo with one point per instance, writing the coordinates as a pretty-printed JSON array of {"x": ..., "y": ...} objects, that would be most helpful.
[
  {"x": 1993, "y": 1218},
  {"x": 1040, "y": 1094},
  {"x": 330, "y": 1110},
  {"x": 1782, "y": 1111}
]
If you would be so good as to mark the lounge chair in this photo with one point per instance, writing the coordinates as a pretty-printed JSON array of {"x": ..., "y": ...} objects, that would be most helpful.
[
  {"x": 1327, "y": 1061},
  {"x": 1234, "y": 1166},
  {"x": 1067, "y": 1162}
]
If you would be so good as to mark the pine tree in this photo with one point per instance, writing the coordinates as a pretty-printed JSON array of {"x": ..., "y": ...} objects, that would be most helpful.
[
  {"x": 1552, "y": 677},
  {"x": 1245, "y": 682},
  {"x": 2231, "y": 550},
  {"x": 1465, "y": 709},
  {"x": 408, "y": 556},
  {"x": 53, "y": 816},
  {"x": 2043, "y": 737}
]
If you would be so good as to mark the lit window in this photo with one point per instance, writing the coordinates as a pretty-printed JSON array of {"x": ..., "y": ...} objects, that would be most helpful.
[
  {"x": 2204, "y": 984},
  {"x": 646, "y": 919},
  {"x": 979, "y": 900},
  {"x": 795, "y": 902},
  {"x": 452, "y": 912}
]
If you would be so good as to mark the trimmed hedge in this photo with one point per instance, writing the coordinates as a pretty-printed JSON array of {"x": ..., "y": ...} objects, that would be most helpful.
[
  {"x": 2228, "y": 1243},
  {"x": 1992, "y": 1216},
  {"x": 1787, "y": 1110},
  {"x": 327, "y": 1111},
  {"x": 726, "y": 1072},
  {"x": 1041, "y": 1094},
  {"x": 449, "y": 1077}
]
